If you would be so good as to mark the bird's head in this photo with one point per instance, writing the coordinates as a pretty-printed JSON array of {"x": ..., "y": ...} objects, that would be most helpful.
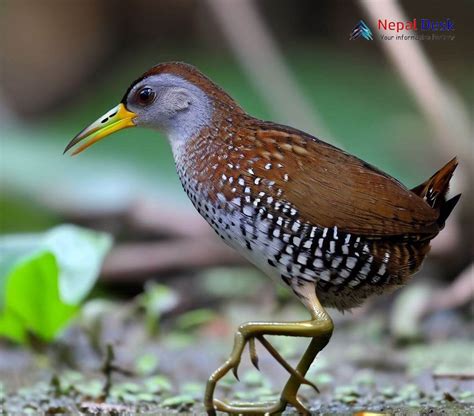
[{"x": 173, "y": 98}]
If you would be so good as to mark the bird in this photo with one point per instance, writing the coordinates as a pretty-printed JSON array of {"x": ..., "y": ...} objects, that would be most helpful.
[{"x": 332, "y": 228}]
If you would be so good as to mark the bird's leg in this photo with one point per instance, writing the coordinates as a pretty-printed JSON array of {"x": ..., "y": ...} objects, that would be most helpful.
[
  {"x": 289, "y": 393},
  {"x": 319, "y": 329}
]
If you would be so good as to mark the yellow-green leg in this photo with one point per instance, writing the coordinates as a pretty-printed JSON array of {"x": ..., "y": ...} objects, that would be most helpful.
[{"x": 319, "y": 328}]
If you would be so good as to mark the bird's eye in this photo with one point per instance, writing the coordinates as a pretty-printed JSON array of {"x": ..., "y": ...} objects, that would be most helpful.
[{"x": 145, "y": 96}]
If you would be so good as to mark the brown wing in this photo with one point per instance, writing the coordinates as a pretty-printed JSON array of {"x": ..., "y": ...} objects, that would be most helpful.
[{"x": 332, "y": 188}]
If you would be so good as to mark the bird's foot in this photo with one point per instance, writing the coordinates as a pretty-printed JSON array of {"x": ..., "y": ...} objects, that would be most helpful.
[
  {"x": 235, "y": 360},
  {"x": 233, "y": 363}
]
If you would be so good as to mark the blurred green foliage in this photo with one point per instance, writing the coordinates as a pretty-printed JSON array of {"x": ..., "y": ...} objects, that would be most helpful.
[
  {"x": 44, "y": 278},
  {"x": 155, "y": 300},
  {"x": 34, "y": 217}
]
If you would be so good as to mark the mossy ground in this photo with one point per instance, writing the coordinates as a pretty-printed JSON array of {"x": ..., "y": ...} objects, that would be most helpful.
[{"x": 162, "y": 373}]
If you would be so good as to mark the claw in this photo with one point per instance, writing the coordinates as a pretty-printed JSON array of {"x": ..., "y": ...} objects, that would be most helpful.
[
  {"x": 235, "y": 371},
  {"x": 253, "y": 353},
  {"x": 308, "y": 383},
  {"x": 269, "y": 347},
  {"x": 304, "y": 380}
]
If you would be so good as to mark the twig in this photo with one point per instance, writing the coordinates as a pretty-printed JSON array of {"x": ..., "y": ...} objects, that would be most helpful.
[
  {"x": 443, "y": 108},
  {"x": 55, "y": 385},
  {"x": 133, "y": 260},
  {"x": 108, "y": 368},
  {"x": 152, "y": 216},
  {"x": 457, "y": 376},
  {"x": 144, "y": 215},
  {"x": 458, "y": 293}
]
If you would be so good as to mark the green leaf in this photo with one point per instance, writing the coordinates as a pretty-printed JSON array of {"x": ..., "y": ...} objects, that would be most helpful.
[
  {"x": 155, "y": 300},
  {"x": 194, "y": 389},
  {"x": 146, "y": 364},
  {"x": 43, "y": 277},
  {"x": 195, "y": 318},
  {"x": 90, "y": 388},
  {"x": 79, "y": 253},
  {"x": 180, "y": 401},
  {"x": 253, "y": 378},
  {"x": 157, "y": 384},
  {"x": 13, "y": 249},
  {"x": 12, "y": 327},
  {"x": 323, "y": 379},
  {"x": 33, "y": 300}
]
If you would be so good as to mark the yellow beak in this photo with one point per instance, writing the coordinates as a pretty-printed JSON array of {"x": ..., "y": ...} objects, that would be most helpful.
[{"x": 114, "y": 120}]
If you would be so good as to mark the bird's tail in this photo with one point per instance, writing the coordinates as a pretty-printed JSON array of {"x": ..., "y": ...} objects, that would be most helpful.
[{"x": 434, "y": 191}]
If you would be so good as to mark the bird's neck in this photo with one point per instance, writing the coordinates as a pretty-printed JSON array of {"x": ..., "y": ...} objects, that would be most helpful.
[
  {"x": 200, "y": 158},
  {"x": 204, "y": 119}
]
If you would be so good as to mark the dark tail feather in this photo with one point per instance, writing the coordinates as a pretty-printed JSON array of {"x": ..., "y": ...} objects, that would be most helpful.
[
  {"x": 446, "y": 209},
  {"x": 434, "y": 191}
]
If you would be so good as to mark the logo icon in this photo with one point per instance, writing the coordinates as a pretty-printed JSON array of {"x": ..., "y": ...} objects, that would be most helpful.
[{"x": 361, "y": 30}]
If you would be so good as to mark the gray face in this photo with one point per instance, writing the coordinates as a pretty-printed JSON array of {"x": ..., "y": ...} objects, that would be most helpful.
[{"x": 170, "y": 104}]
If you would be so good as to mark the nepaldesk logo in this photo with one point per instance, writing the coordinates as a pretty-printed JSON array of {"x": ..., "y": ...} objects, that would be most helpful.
[
  {"x": 361, "y": 30},
  {"x": 413, "y": 29},
  {"x": 417, "y": 29}
]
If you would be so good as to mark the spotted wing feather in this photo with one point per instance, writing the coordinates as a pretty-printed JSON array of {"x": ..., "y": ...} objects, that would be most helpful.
[{"x": 332, "y": 188}]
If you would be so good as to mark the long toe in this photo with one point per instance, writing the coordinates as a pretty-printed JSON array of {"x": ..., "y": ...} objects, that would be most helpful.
[{"x": 250, "y": 408}]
